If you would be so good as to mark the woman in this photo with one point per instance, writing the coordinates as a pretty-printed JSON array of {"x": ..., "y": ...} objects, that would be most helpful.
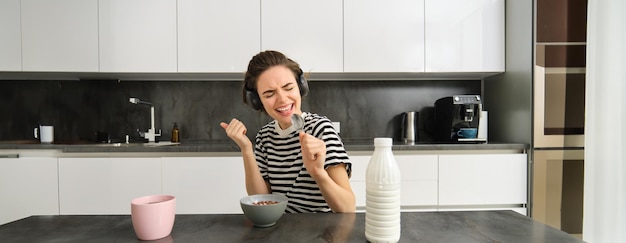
[{"x": 310, "y": 167}]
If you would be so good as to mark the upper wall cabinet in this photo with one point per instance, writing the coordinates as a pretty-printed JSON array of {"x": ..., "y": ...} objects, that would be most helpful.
[
  {"x": 59, "y": 35},
  {"x": 464, "y": 36},
  {"x": 137, "y": 36},
  {"x": 10, "y": 37},
  {"x": 415, "y": 38},
  {"x": 217, "y": 36},
  {"x": 384, "y": 36},
  {"x": 310, "y": 32}
]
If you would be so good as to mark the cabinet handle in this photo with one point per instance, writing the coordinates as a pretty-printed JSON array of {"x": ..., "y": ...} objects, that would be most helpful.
[{"x": 7, "y": 156}]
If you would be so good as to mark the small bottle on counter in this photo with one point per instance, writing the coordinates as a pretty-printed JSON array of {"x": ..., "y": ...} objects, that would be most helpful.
[
  {"x": 382, "y": 192},
  {"x": 175, "y": 134}
]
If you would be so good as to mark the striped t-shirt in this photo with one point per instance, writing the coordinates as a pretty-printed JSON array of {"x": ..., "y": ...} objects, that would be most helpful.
[{"x": 279, "y": 157}]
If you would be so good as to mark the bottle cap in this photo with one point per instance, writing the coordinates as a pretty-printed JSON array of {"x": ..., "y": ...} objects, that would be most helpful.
[{"x": 383, "y": 141}]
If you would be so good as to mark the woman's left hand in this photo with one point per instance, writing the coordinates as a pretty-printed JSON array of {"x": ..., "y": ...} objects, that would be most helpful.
[{"x": 313, "y": 154}]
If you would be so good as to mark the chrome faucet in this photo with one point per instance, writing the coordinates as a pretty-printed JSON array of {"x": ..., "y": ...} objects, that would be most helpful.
[{"x": 151, "y": 133}]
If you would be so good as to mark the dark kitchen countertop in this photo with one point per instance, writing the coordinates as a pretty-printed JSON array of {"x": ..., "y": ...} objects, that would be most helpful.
[
  {"x": 474, "y": 226},
  {"x": 230, "y": 146}
]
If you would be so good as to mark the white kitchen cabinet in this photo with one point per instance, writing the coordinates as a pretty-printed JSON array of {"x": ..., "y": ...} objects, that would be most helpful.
[
  {"x": 205, "y": 184},
  {"x": 448, "y": 182},
  {"x": 59, "y": 35},
  {"x": 106, "y": 185},
  {"x": 384, "y": 36},
  {"x": 309, "y": 32},
  {"x": 10, "y": 36},
  {"x": 137, "y": 36},
  {"x": 464, "y": 36},
  {"x": 28, "y": 187},
  {"x": 483, "y": 179},
  {"x": 357, "y": 180},
  {"x": 217, "y": 36},
  {"x": 418, "y": 180}
]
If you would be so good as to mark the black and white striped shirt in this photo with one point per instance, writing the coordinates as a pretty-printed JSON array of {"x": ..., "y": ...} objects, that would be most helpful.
[{"x": 279, "y": 157}]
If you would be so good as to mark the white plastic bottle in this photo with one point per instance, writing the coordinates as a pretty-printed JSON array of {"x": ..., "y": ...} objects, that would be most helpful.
[{"x": 382, "y": 193}]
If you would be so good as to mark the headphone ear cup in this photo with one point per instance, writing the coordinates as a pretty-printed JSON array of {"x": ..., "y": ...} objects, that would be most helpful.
[
  {"x": 254, "y": 100},
  {"x": 303, "y": 85}
]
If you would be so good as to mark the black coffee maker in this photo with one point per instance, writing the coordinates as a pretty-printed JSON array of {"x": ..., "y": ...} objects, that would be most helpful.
[{"x": 457, "y": 118}]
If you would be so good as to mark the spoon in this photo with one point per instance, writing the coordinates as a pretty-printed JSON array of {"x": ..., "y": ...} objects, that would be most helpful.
[{"x": 297, "y": 122}]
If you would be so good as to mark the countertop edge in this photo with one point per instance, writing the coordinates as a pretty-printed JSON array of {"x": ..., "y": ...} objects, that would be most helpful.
[{"x": 232, "y": 148}]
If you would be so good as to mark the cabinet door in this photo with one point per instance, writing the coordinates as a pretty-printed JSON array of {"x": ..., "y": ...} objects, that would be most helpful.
[
  {"x": 60, "y": 35},
  {"x": 28, "y": 187},
  {"x": 137, "y": 36},
  {"x": 464, "y": 36},
  {"x": 483, "y": 179},
  {"x": 217, "y": 36},
  {"x": 419, "y": 180},
  {"x": 309, "y": 32},
  {"x": 384, "y": 36},
  {"x": 10, "y": 36},
  {"x": 204, "y": 184},
  {"x": 357, "y": 181},
  {"x": 418, "y": 176},
  {"x": 106, "y": 185}
]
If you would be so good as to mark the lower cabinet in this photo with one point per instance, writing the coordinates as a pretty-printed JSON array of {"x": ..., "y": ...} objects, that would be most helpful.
[
  {"x": 454, "y": 182},
  {"x": 205, "y": 184},
  {"x": 419, "y": 181},
  {"x": 28, "y": 186},
  {"x": 475, "y": 181},
  {"x": 106, "y": 185},
  {"x": 430, "y": 182}
]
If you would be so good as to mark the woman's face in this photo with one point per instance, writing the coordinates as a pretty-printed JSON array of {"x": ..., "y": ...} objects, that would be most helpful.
[{"x": 280, "y": 94}]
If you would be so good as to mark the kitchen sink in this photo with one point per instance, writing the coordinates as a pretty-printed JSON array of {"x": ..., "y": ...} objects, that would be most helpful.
[{"x": 159, "y": 144}]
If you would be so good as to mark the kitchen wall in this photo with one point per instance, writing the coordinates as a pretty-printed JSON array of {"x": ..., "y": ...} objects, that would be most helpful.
[
  {"x": 77, "y": 109},
  {"x": 508, "y": 96}
]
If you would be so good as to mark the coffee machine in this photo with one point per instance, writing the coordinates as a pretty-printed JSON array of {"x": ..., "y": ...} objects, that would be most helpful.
[{"x": 457, "y": 119}]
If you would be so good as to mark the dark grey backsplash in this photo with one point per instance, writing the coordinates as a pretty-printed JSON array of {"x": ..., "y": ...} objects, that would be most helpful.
[{"x": 77, "y": 109}]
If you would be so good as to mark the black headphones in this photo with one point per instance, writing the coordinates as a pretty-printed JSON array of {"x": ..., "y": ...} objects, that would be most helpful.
[{"x": 252, "y": 96}]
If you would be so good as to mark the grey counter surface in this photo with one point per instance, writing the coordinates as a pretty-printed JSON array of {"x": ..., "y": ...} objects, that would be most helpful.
[
  {"x": 229, "y": 146},
  {"x": 467, "y": 227}
]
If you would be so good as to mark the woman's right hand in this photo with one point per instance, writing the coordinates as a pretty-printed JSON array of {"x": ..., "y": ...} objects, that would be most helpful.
[{"x": 236, "y": 131}]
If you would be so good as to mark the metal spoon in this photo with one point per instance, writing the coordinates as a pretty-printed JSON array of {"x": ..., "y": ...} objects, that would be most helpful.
[{"x": 297, "y": 122}]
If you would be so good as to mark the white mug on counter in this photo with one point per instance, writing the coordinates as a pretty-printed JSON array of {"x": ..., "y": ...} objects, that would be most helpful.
[
  {"x": 482, "y": 125},
  {"x": 45, "y": 134}
]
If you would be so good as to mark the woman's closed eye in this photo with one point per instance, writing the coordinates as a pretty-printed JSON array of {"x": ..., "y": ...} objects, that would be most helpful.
[
  {"x": 271, "y": 93},
  {"x": 268, "y": 94}
]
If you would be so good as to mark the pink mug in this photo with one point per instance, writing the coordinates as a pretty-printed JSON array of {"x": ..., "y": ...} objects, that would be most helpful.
[{"x": 153, "y": 216}]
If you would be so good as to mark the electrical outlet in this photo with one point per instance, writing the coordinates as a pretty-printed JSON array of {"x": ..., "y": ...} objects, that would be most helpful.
[{"x": 337, "y": 126}]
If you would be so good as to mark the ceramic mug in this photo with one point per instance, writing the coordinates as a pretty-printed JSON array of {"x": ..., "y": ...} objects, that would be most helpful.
[
  {"x": 467, "y": 132},
  {"x": 153, "y": 216},
  {"x": 45, "y": 134}
]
